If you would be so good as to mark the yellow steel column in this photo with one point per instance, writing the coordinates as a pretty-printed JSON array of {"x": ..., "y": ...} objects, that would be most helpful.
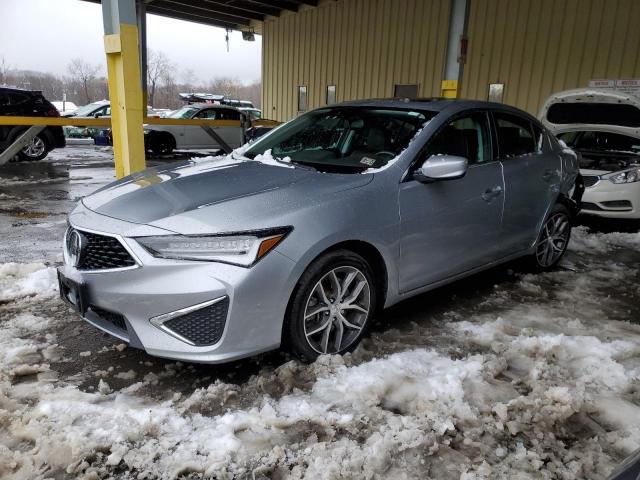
[{"x": 125, "y": 90}]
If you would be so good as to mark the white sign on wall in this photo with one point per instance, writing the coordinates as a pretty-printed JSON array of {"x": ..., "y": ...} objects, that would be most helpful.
[{"x": 626, "y": 85}]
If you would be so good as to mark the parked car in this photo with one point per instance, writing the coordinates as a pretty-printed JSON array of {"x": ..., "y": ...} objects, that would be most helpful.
[
  {"x": 301, "y": 238},
  {"x": 603, "y": 127},
  {"x": 64, "y": 106},
  {"x": 166, "y": 138},
  {"x": 101, "y": 108},
  {"x": 18, "y": 102},
  {"x": 253, "y": 113}
]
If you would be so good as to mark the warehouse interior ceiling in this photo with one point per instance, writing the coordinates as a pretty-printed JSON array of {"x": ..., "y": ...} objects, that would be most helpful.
[{"x": 230, "y": 14}]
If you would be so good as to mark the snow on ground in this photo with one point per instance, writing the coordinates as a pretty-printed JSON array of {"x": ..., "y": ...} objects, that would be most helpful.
[{"x": 538, "y": 380}]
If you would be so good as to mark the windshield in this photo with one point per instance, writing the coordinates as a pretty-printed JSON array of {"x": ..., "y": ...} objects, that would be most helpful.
[
  {"x": 88, "y": 109},
  {"x": 184, "y": 112},
  {"x": 344, "y": 139}
]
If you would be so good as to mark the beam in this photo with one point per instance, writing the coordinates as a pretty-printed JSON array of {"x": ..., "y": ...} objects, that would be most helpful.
[
  {"x": 247, "y": 6},
  {"x": 19, "y": 143},
  {"x": 456, "y": 48},
  {"x": 170, "y": 7},
  {"x": 125, "y": 92},
  {"x": 313, "y": 3},
  {"x": 216, "y": 9},
  {"x": 281, "y": 4},
  {"x": 190, "y": 18}
]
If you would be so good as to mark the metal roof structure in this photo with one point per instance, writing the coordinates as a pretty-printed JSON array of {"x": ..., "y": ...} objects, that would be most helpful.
[{"x": 231, "y": 14}]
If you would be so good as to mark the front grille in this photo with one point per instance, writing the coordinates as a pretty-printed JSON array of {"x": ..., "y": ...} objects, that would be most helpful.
[
  {"x": 203, "y": 326},
  {"x": 114, "y": 319},
  {"x": 103, "y": 252},
  {"x": 590, "y": 180},
  {"x": 589, "y": 206}
]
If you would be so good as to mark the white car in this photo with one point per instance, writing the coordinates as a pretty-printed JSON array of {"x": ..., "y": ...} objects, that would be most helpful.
[
  {"x": 166, "y": 138},
  {"x": 64, "y": 106},
  {"x": 603, "y": 127}
]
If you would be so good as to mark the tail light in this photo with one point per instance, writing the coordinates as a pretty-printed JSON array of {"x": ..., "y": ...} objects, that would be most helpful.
[{"x": 52, "y": 112}]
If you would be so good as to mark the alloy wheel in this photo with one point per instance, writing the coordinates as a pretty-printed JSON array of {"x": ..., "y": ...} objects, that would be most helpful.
[
  {"x": 337, "y": 309},
  {"x": 36, "y": 148},
  {"x": 553, "y": 239}
]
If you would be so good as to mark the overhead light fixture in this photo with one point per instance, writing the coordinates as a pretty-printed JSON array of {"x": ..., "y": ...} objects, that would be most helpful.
[{"x": 249, "y": 36}]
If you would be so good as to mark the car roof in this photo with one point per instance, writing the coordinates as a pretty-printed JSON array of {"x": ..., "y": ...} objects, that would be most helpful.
[
  {"x": 210, "y": 105},
  {"x": 434, "y": 104},
  {"x": 20, "y": 90}
]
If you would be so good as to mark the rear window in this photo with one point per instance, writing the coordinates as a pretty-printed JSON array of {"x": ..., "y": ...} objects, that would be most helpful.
[{"x": 594, "y": 113}]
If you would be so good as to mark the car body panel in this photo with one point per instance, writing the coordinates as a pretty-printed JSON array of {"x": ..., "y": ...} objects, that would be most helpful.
[
  {"x": 426, "y": 234},
  {"x": 195, "y": 137},
  {"x": 465, "y": 232}
]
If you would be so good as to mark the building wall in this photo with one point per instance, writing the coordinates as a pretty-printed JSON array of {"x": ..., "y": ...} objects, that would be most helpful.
[
  {"x": 538, "y": 47},
  {"x": 364, "y": 47}
]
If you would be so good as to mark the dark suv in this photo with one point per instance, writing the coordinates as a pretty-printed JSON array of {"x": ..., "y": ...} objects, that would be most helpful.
[{"x": 18, "y": 102}]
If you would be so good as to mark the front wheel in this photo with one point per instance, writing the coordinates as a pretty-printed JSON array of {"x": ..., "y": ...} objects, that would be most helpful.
[
  {"x": 35, "y": 150},
  {"x": 332, "y": 306},
  {"x": 553, "y": 239}
]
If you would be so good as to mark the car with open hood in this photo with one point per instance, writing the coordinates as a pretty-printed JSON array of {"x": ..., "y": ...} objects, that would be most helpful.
[
  {"x": 603, "y": 127},
  {"x": 299, "y": 238}
]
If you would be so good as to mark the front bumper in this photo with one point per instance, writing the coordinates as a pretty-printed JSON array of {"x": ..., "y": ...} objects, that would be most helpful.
[
  {"x": 610, "y": 200},
  {"x": 135, "y": 298}
]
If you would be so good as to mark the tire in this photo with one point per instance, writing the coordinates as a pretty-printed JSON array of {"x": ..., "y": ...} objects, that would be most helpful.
[
  {"x": 163, "y": 143},
  {"x": 553, "y": 239},
  {"x": 315, "y": 325},
  {"x": 36, "y": 150}
]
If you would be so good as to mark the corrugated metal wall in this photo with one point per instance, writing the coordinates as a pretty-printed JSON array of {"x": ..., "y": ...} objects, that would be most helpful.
[
  {"x": 537, "y": 47},
  {"x": 364, "y": 47}
]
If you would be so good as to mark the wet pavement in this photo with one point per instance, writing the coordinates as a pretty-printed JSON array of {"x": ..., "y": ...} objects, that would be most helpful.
[{"x": 35, "y": 197}]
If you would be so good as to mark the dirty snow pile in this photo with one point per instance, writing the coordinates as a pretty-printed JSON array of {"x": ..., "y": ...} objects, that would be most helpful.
[{"x": 539, "y": 380}]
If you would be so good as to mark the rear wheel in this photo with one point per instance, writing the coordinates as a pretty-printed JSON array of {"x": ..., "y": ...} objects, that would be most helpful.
[
  {"x": 553, "y": 239},
  {"x": 332, "y": 306},
  {"x": 35, "y": 150},
  {"x": 163, "y": 143}
]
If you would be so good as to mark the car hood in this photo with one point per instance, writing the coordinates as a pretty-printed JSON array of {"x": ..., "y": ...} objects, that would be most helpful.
[
  {"x": 222, "y": 194},
  {"x": 625, "y": 119}
]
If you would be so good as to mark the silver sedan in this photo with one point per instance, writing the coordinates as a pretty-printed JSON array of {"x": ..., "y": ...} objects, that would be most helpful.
[{"x": 301, "y": 237}]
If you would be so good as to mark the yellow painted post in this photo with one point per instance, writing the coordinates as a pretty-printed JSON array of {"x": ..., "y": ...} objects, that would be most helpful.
[
  {"x": 450, "y": 88},
  {"x": 125, "y": 94}
]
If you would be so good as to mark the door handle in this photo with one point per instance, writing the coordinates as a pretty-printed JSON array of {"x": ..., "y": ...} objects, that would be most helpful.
[{"x": 491, "y": 193}]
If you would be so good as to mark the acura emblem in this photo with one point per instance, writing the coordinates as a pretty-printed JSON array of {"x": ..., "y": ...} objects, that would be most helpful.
[{"x": 76, "y": 243}]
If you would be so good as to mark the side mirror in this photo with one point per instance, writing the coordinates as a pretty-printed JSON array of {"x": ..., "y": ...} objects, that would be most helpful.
[
  {"x": 97, "y": 115},
  {"x": 441, "y": 167}
]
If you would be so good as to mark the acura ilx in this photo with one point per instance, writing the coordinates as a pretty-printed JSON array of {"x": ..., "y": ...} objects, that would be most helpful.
[{"x": 298, "y": 239}]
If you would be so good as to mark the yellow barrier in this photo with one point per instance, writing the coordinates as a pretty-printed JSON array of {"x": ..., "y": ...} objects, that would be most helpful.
[{"x": 106, "y": 121}]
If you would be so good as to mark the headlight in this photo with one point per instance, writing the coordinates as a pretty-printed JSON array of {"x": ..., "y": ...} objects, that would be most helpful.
[
  {"x": 626, "y": 176},
  {"x": 242, "y": 249}
]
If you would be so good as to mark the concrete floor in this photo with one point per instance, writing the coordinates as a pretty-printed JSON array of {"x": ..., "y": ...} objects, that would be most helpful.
[{"x": 35, "y": 197}]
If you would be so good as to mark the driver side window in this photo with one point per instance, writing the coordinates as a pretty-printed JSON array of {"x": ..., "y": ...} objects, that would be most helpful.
[
  {"x": 466, "y": 136},
  {"x": 209, "y": 113}
]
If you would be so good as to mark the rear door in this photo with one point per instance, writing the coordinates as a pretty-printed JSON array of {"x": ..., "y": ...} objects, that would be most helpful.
[
  {"x": 532, "y": 176},
  {"x": 195, "y": 136},
  {"x": 449, "y": 227}
]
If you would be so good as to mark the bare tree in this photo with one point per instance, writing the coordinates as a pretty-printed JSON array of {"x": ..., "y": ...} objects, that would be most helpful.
[
  {"x": 4, "y": 70},
  {"x": 158, "y": 68},
  {"x": 84, "y": 73}
]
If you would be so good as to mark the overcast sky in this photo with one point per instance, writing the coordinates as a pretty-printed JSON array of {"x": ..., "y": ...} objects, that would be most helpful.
[{"x": 46, "y": 34}]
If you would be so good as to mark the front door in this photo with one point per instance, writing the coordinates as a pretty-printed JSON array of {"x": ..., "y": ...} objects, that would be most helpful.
[
  {"x": 532, "y": 176},
  {"x": 449, "y": 227}
]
